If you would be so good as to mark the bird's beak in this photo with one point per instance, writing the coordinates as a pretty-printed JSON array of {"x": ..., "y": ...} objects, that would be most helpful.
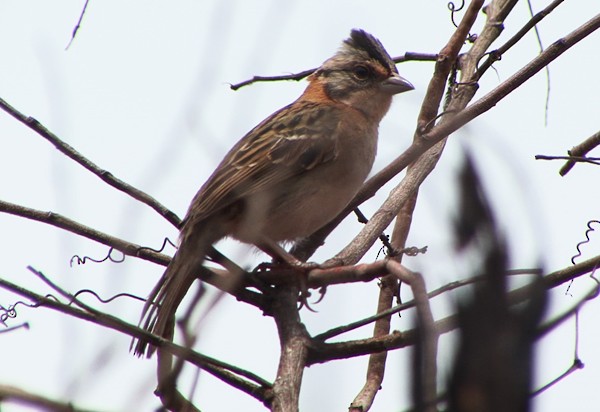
[{"x": 396, "y": 84}]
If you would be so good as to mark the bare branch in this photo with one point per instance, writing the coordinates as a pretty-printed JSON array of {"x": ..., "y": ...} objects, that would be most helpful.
[
  {"x": 22, "y": 397},
  {"x": 581, "y": 150},
  {"x": 228, "y": 373},
  {"x": 78, "y": 25},
  {"x": 62, "y": 222},
  {"x": 512, "y": 83},
  {"x": 421, "y": 169},
  {"x": 571, "y": 160},
  {"x": 323, "y": 352},
  {"x": 104, "y": 175},
  {"x": 425, "y": 368},
  {"x": 129, "y": 249},
  {"x": 497, "y": 54},
  {"x": 399, "y": 195},
  {"x": 294, "y": 341},
  {"x": 408, "y": 56},
  {"x": 411, "y": 303}
]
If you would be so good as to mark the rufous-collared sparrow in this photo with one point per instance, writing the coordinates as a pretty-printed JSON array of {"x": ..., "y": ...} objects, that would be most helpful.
[{"x": 291, "y": 174}]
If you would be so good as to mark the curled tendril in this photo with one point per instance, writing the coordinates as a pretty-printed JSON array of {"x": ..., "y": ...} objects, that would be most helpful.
[
  {"x": 583, "y": 242},
  {"x": 82, "y": 260},
  {"x": 118, "y": 295},
  {"x": 163, "y": 246},
  {"x": 453, "y": 9},
  {"x": 10, "y": 312}
]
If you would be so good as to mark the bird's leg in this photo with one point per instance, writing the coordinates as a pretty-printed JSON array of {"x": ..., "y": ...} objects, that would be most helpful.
[{"x": 279, "y": 254}]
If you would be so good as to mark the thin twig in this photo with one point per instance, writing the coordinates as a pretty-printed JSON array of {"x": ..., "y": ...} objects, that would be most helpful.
[
  {"x": 78, "y": 25},
  {"x": 408, "y": 56},
  {"x": 295, "y": 342},
  {"x": 571, "y": 160},
  {"x": 128, "y": 248},
  {"x": 577, "y": 364},
  {"x": 211, "y": 365},
  {"x": 416, "y": 173},
  {"x": 323, "y": 352},
  {"x": 62, "y": 222},
  {"x": 104, "y": 175},
  {"x": 581, "y": 150},
  {"x": 333, "y": 332},
  {"x": 38, "y": 402},
  {"x": 439, "y": 132},
  {"x": 425, "y": 373},
  {"x": 497, "y": 54}
]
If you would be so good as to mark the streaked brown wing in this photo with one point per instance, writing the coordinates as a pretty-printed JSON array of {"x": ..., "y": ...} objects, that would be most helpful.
[{"x": 291, "y": 141}]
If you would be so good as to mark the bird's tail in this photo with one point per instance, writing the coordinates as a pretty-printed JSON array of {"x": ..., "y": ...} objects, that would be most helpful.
[{"x": 158, "y": 314}]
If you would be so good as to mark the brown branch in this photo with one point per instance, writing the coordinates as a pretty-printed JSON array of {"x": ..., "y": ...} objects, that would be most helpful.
[
  {"x": 127, "y": 248},
  {"x": 581, "y": 150},
  {"x": 425, "y": 364},
  {"x": 389, "y": 289},
  {"x": 69, "y": 225},
  {"x": 104, "y": 175},
  {"x": 496, "y": 13},
  {"x": 38, "y": 402},
  {"x": 376, "y": 366},
  {"x": 323, "y": 352},
  {"x": 364, "y": 272},
  {"x": 228, "y": 373},
  {"x": 410, "y": 304},
  {"x": 497, "y": 54},
  {"x": 492, "y": 98},
  {"x": 408, "y": 56},
  {"x": 294, "y": 341},
  {"x": 571, "y": 272},
  {"x": 78, "y": 25},
  {"x": 571, "y": 160},
  {"x": 404, "y": 209}
]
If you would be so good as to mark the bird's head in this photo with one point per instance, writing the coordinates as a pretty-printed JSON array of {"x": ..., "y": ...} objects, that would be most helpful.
[{"x": 362, "y": 75}]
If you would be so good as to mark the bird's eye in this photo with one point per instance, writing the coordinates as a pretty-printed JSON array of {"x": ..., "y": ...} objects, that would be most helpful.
[{"x": 361, "y": 72}]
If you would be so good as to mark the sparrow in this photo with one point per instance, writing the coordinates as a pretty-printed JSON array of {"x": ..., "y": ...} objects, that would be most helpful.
[{"x": 290, "y": 175}]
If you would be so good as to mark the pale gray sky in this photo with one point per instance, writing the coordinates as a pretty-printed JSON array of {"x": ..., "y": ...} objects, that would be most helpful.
[{"x": 143, "y": 92}]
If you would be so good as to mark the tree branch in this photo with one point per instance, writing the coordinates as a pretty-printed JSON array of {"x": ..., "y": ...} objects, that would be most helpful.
[
  {"x": 104, "y": 175},
  {"x": 321, "y": 352},
  {"x": 294, "y": 340},
  {"x": 69, "y": 225},
  {"x": 127, "y": 248},
  {"x": 497, "y": 54},
  {"x": 19, "y": 396},
  {"x": 423, "y": 166},
  {"x": 432, "y": 137},
  {"x": 228, "y": 373},
  {"x": 439, "y": 132},
  {"x": 408, "y": 56},
  {"x": 580, "y": 151}
]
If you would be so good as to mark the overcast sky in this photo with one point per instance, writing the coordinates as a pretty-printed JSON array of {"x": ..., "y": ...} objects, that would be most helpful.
[{"x": 143, "y": 92}]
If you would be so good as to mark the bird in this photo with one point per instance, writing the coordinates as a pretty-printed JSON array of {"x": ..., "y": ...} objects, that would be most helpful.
[{"x": 290, "y": 175}]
